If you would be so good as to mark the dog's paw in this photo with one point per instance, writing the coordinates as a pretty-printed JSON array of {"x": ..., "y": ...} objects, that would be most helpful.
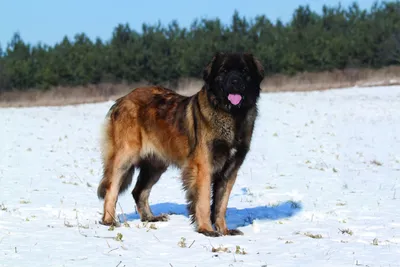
[
  {"x": 226, "y": 231},
  {"x": 159, "y": 218},
  {"x": 234, "y": 232},
  {"x": 209, "y": 233},
  {"x": 110, "y": 223}
]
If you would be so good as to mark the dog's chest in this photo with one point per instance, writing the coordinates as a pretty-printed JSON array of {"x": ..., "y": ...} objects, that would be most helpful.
[
  {"x": 224, "y": 128},
  {"x": 221, "y": 153},
  {"x": 224, "y": 148}
]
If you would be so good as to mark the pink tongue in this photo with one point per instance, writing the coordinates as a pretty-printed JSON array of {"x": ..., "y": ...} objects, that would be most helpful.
[{"x": 234, "y": 98}]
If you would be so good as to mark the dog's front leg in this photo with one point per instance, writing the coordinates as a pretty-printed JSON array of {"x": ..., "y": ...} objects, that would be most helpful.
[
  {"x": 222, "y": 189},
  {"x": 197, "y": 183}
]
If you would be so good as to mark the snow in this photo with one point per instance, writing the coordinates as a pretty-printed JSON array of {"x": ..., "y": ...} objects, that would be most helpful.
[{"x": 322, "y": 164}]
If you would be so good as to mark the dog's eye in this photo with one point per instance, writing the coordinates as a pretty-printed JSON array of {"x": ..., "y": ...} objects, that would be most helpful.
[{"x": 224, "y": 71}]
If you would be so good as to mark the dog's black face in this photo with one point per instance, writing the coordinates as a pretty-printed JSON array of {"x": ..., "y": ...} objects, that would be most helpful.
[{"x": 233, "y": 81}]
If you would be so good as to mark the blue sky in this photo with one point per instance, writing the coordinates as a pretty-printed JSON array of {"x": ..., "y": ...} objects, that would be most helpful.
[{"x": 48, "y": 21}]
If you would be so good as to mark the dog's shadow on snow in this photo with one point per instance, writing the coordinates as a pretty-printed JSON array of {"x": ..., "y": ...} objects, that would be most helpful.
[{"x": 234, "y": 217}]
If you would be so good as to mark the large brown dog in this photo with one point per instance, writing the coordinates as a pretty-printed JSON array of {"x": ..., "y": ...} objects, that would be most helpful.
[{"x": 206, "y": 135}]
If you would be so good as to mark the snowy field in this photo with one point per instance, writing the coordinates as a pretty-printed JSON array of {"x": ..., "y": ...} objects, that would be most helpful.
[{"x": 320, "y": 187}]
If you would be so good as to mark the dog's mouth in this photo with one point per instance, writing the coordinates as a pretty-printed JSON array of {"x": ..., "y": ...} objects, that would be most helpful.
[{"x": 235, "y": 99}]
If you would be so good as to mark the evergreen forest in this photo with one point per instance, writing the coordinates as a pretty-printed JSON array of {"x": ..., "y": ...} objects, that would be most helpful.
[{"x": 335, "y": 37}]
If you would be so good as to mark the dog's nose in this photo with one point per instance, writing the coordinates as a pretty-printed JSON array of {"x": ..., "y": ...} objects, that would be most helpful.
[{"x": 234, "y": 81}]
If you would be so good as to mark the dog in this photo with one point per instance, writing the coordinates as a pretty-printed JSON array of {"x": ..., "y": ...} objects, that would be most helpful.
[{"x": 206, "y": 135}]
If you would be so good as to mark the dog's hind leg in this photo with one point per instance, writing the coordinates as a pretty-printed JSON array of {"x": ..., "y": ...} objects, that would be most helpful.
[
  {"x": 118, "y": 172},
  {"x": 151, "y": 170}
]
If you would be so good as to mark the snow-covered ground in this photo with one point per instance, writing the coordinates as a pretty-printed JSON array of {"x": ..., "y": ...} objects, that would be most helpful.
[{"x": 320, "y": 187}]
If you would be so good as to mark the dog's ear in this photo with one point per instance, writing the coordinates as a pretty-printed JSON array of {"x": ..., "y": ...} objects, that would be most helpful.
[
  {"x": 250, "y": 58},
  {"x": 260, "y": 68},
  {"x": 209, "y": 68}
]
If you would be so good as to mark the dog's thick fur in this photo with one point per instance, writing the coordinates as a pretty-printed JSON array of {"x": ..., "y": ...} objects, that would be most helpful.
[{"x": 204, "y": 135}]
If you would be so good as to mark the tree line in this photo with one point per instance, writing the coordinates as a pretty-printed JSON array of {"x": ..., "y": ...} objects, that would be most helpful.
[{"x": 336, "y": 38}]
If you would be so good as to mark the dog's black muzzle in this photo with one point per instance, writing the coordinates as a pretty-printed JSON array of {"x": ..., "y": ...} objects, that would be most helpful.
[{"x": 234, "y": 83}]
